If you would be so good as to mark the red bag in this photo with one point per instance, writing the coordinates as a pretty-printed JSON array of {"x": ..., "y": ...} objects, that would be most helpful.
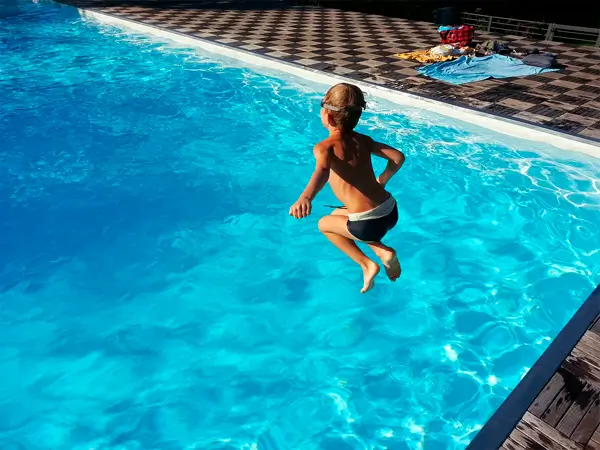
[{"x": 458, "y": 36}]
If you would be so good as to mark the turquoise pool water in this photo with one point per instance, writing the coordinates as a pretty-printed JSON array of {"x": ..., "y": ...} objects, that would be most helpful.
[{"x": 154, "y": 294}]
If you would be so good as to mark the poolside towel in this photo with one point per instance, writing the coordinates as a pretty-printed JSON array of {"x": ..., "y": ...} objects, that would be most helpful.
[
  {"x": 426, "y": 56},
  {"x": 468, "y": 70}
]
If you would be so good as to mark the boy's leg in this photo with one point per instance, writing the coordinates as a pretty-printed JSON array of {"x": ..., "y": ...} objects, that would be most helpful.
[
  {"x": 335, "y": 229},
  {"x": 386, "y": 254},
  {"x": 340, "y": 212},
  {"x": 388, "y": 258}
]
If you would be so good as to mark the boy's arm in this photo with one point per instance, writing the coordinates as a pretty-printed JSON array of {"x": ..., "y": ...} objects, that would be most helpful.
[
  {"x": 395, "y": 159},
  {"x": 318, "y": 180}
]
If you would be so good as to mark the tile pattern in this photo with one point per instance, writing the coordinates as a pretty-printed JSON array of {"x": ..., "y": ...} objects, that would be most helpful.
[
  {"x": 566, "y": 413},
  {"x": 362, "y": 46}
]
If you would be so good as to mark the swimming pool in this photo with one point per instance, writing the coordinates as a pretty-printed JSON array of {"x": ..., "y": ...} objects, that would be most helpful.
[{"x": 155, "y": 294}]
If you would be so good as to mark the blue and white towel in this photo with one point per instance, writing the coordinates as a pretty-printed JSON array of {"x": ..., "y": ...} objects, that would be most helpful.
[{"x": 467, "y": 70}]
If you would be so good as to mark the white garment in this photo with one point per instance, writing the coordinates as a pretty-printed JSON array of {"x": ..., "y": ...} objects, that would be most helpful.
[{"x": 376, "y": 213}]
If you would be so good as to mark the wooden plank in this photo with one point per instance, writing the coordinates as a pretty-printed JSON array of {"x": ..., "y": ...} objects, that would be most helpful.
[
  {"x": 582, "y": 369},
  {"x": 587, "y": 359},
  {"x": 549, "y": 393},
  {"x": 588, "y": 425},
  {"x": 592, "y": 351},
  {"x": 526, "y": 442},
  {"x": 510, "y": 444},
  {"x": 593, "y": 445},
  {"x": 563, "y": 401},
  {"x": 591, "y": 340},
  {"x": 578, "y": 409},
  {"x": 590, "y": 335},
  {"x": 575, "y": 367},
  {"x": 596, "y": 327},
  {"x": 543, "y": 433}
]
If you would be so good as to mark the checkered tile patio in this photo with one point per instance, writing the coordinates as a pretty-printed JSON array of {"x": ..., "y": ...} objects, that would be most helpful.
[{"x": 362, "y": 46}]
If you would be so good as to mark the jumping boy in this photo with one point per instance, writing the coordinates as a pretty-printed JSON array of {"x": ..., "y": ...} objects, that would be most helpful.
[{"x": 344, "y": 159}]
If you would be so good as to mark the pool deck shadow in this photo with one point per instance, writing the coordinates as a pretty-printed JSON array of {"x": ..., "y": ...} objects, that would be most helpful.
[
  {"x": 556, "y": 406},
  {"x": 363, "y": 46}
]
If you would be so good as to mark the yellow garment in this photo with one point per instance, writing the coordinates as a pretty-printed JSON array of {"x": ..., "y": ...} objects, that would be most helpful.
[{"x": 425, "y": 56}]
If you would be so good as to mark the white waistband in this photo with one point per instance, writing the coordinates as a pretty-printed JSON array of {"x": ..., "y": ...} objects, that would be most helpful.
[{"x": 376, "y": 213}]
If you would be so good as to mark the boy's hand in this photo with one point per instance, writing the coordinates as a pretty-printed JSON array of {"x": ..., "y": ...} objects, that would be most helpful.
[
  {"x": 381, "y": 181},
  {"x": 301, "y": 208}
]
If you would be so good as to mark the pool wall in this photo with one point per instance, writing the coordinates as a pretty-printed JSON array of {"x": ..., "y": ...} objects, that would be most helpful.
[{"x": 499, "y": 124}]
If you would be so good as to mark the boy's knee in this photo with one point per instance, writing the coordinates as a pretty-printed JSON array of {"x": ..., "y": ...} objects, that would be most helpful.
[{"x": 321, "y": 224}]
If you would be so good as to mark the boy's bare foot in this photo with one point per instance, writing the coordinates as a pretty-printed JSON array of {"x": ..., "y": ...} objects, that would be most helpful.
[
  {"x": 389, "y": 260},
  {"x": 370, "y": 271},
  {"x": 392, "y": 265}
]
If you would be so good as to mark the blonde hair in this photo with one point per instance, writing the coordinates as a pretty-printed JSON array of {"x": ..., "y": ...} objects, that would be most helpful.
[{"x": 350, "y": 101}]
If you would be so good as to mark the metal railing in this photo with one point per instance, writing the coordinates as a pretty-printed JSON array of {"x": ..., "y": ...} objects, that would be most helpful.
[{"x": 534, "y": 30}]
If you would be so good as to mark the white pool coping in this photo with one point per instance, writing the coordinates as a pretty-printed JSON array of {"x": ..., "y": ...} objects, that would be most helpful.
[{"x": 499, "y": 124}]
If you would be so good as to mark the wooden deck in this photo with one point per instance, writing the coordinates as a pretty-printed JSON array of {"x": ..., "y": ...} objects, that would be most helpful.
[
  {"x": 557, "y": 404},
  {"x": 566, "y": 414}
]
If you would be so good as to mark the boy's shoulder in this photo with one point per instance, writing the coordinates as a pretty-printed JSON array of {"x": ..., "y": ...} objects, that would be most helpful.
[
  {"x": 322, "y": 149},
  {"x": 326, "y": 144},
  {"x": 331, "y": 141},
  {"x": 335, "y": 139},
  {"x": 364, "y": 137}
]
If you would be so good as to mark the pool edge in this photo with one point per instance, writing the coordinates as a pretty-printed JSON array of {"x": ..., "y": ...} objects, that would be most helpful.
[
  {"x": 501, "y": 424},
  {"x": 495, "y": 123}
]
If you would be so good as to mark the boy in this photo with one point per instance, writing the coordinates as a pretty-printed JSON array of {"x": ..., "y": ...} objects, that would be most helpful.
[{"x": 344, "y": 159}]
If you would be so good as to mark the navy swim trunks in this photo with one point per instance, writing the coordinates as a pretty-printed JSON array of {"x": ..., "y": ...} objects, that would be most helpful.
[{"x": 373, "y": 225}]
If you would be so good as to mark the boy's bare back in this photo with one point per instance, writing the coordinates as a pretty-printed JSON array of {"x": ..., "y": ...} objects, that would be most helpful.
[{"x": 352, "y": 178}]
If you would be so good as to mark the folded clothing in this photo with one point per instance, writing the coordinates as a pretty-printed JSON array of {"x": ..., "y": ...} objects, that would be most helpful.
[
  {"x": 491, "y": 47},
  {"x": 546, "y": 60},
  {"x": 468, "y": 70}
]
